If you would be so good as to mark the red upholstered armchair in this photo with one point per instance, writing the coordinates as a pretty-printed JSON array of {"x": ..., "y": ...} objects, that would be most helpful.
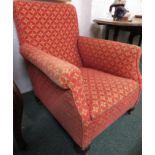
[{"x": 86, "y": 83}]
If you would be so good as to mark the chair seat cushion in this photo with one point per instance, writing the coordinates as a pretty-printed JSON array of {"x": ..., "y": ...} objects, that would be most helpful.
[{"x": 103, "y": 90}]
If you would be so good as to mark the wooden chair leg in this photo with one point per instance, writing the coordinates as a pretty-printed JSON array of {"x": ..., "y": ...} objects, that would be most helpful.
[
  {"x": 79, "y": 150},
  {"x": 130, "y": 110}
]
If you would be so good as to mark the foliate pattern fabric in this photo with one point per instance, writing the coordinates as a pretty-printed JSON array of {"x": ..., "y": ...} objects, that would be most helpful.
[
  {"x": 85, "y": 101},
  {"x": 98, "y": 125},
  {"x": 49, "y": 27},
  {"x": 104, "y": 90},
  {"x": 112, "y": 57},
  {"x": 60, "y": 103},
  {"x": 64, "y": 74},
  {"x": 61, "y": 72}
]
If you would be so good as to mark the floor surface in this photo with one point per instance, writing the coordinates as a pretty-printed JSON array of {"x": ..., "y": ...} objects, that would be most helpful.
[{"x": 45, "y": 136}]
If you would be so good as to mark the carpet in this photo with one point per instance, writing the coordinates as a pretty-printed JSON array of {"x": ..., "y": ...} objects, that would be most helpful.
[{"x": 44, "y": 136}]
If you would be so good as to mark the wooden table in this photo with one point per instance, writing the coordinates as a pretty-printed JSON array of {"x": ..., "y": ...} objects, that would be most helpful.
[{"x": 134, "y": 27}]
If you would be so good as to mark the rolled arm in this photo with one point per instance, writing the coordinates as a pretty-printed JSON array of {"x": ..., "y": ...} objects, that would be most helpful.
[
  {"x": 109, "y": 56},
  {"x": 64, "y": 74},
  {"x": 61, "y": 72}
]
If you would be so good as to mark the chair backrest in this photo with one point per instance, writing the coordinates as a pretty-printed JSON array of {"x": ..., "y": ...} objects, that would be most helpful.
[{"x": 52, "y": 28}]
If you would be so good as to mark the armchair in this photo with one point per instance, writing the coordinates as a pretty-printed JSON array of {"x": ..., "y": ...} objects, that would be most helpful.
[{"x": 86, "y": 83}]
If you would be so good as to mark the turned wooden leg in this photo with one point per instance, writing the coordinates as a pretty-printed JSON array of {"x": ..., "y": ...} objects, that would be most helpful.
[
  {"x": 130, "y": 110},
  {"x": 131, "y": 36},
  {"x": 116, "y": 33},
  {"x": 79, "y": 150},
  {"x": 107, "y": 32}
]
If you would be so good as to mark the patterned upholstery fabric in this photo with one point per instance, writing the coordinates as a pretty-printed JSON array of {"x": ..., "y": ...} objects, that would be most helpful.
[
  {"x": 98, "y": 125},
  {"x": 112, "y": 57},
  {"x": 64, "y": 74},
  {"x": 86, "y": 84},
  {"x": 60, "y": 103},
  {"x": 50, "y": 27},
  {"x": 61, "y": 72},
  {"x": 104, "y": 90}
]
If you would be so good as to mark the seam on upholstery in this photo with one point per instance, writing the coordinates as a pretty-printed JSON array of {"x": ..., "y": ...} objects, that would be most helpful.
[
  {"x": 80, "y": 119},
  {"x": 81, "y": 122},
  {"x": 82, "y": 61},
  {"x": 86, "y": 100}
]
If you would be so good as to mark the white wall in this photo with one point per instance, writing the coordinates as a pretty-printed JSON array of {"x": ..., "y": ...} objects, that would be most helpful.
[
  {"x": 20, "y": 75},
  {"x": 83, "y": 8}
]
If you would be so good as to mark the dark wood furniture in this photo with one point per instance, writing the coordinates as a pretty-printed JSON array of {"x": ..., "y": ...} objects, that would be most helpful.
[
  {"x": 134, "y": 27},
  {"x": 79, "y": 150},
  {"x": 17, "y": 116}
]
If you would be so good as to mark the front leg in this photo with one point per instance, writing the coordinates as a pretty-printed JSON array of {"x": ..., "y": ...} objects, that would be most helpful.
[
  {"x": 130, "y": 110},
  {"x": 81, "y": 151}
]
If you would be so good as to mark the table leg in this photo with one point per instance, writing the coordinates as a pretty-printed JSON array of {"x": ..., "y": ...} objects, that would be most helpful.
[
  {"x": 140, "y": 40},
  {"x": 107, "y": 32},
  {"x": 131, "y": 36},
  {"x": 116, "y": 32}
]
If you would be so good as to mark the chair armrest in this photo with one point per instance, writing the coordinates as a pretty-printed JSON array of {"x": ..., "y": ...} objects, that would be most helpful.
[
  {"x": 64, "y": 74},
  {"x": 112, "y": 57},
  {"x": 60, "y": 72}
]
